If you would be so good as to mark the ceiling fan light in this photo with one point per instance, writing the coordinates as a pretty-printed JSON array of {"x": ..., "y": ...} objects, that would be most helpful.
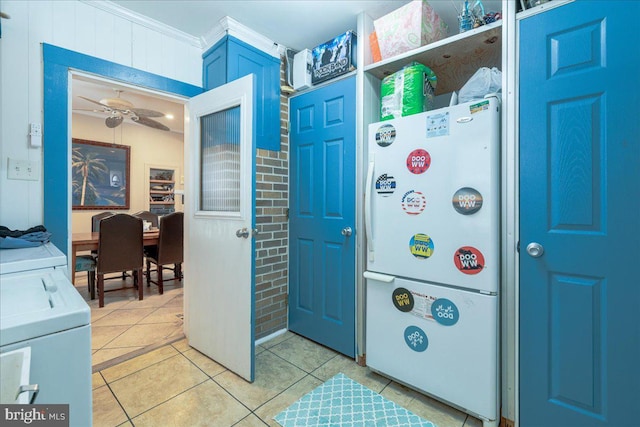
[{"x": 113, "y": 122}]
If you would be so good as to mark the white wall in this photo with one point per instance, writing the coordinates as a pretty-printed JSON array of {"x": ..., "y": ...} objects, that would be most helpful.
[
  {"x": 82, "y": 28},
  {"x": 149, "y": 148}
]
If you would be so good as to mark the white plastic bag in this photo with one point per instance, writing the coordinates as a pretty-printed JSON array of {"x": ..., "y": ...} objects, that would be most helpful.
[{"x": 483, "y": 82}]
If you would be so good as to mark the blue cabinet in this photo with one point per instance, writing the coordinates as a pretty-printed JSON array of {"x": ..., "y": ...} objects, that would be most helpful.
[{"x": 230, "y": 59}]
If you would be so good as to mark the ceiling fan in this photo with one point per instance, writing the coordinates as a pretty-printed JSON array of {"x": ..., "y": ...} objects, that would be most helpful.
[{"x": 119, "y": 108}]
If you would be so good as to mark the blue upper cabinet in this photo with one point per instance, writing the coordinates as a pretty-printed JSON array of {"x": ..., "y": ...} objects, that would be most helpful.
[{"x": 230, "y": 59}]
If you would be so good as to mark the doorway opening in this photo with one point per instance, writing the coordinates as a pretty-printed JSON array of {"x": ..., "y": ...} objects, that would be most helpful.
[{"x": 127, "y": 327}]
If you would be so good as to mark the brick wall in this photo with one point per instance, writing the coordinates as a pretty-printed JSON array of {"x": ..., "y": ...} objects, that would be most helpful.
[{"x": 272, "y": 253}]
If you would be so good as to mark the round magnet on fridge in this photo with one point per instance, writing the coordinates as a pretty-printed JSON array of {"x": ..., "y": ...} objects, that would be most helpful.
[
  {"x": 421, "y": 246},
  {"x": 469, "y": 260},
  {"x": 445, "y": 312},
  {"x": 416, "y": 338},
  {"x": 418, "y": 161},
  {"x": 385, "y": 135},
  {"x": 467, "y": 201},
  {"x": 414, "y": 202},
  {"x": 385, "y": 185},
  {"x": 402, "y": 299}
]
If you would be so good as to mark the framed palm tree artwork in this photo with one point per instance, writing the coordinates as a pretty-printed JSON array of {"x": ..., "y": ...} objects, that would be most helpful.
[{"x": 100, "y": 175}]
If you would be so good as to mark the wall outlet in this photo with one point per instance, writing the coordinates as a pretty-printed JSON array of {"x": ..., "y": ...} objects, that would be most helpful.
[{"x": 23, "y": 169}]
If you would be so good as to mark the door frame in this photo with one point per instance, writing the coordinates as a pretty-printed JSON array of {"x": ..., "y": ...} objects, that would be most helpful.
[{"x": 58, "y": 66}]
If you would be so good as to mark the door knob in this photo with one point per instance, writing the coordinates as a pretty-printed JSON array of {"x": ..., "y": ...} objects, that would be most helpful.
[
  {"x": 535, "y": 249},
  {"x": 347, "y": 231},
  {"x": 243, "y": 232}
]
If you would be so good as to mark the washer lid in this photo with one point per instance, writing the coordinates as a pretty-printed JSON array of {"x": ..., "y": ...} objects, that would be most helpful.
[
  {"x": 24, "y": 259},
  {"x": 39, "y": 303}
]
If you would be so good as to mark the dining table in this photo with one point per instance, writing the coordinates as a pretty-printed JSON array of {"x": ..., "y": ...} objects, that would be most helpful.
[{"x": 88, "y": 241}]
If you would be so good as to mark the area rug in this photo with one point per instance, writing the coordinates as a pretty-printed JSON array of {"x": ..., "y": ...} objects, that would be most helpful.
[{"x": 342, "y": 402}]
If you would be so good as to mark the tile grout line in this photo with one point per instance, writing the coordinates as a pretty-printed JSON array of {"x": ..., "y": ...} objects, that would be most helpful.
[{"x": 117, "y": 400}]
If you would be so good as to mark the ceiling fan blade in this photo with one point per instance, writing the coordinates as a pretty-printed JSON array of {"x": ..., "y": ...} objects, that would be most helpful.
[
  {"x": 113, "y": 121},
  {"x": 143, "y": 112},
  {"x": 95, "y": 102},
  {"x": 88, "y": 109},
  {"x": 116, "y": 103},
  {"x": 149, "y": 122}
]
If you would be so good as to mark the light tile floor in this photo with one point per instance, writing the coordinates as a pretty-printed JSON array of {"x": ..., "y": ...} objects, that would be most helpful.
[
  {"x": 126, "y": 326},
  {"x": 168, "y": 383}
]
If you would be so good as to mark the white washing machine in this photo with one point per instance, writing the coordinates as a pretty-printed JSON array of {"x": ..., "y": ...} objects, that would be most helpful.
[{"x": 42, "y": 310}]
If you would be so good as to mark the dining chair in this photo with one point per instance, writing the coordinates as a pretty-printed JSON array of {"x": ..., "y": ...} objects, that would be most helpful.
[
  {"x": 88, "y": 263},
  {"x": 168, "y": 251},
  {"x": 120, "y": 249},
  {"x": 95, "y": 227},
  {"x": 154, "y": 219},
  {"x": 95, "y": 220}
]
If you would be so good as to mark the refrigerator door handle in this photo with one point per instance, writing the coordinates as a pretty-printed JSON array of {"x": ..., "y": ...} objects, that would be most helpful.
[
  {"x": 367, "y": 209},
  {"x": 385, "y": 278}
]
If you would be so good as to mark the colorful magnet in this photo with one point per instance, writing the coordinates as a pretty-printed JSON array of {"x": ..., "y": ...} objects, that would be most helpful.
[
  {"x": 385, "y": 185},
  {"x": 416, "y": 339},
  {"x": 480, "y": 106},
  {"x": 421, "y": 246},
  {"x": 467, "y": 201},
  {"x": 413, "y": 202},
  {"x": 385, "y": 135},
  {"x": 402, "y": 299},
  {"x": 418, "y": 161},
  {"x": 469, "y": 260},
  {"x": 445, "y": 312}
]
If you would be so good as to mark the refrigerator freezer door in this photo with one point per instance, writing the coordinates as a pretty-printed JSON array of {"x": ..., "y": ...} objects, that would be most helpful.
[
  {"x": 438, "y": 340},
  {"x": 432, "y": 205}
]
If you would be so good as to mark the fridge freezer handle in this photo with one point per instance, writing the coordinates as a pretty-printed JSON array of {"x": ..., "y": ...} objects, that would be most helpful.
[
  {"x": 367, "y": 209},
  {"x": 384, "y": 278}
]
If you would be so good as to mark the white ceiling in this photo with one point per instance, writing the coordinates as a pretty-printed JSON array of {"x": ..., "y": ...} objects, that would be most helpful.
[
  {"x": 296, "y": 24},
  {"x": 99, "y": 89}
]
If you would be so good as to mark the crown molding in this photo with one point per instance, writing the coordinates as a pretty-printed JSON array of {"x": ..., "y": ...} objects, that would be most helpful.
[
  {"x": 145, "y": 21},
  {"x": 229, "y": 26}
]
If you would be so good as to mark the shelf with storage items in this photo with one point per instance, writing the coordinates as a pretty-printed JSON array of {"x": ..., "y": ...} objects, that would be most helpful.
[
  {"x": 453, "y": 59},
  {"x": 161, "y": 191}
]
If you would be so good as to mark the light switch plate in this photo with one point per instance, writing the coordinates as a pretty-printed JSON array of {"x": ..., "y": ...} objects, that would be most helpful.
[{"x": 23, "y": 169}]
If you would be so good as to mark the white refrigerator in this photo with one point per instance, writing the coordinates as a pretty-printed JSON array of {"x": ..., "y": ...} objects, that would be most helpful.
[{"x": 432, "y": 209}]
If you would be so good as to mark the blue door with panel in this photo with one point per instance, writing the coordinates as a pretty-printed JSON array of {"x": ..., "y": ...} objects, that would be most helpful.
[
  {"x": 322, "y": 216},
  {"x": 580, "y": 216}
]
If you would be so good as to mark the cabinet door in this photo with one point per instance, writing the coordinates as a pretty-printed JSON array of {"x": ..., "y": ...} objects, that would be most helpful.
[
  {"x": 243, "y": 60},
  {"x": 214, "y": 65}
]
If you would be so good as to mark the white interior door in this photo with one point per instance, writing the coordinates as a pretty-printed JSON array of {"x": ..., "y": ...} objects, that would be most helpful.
[{"x": 219, "y": 219}]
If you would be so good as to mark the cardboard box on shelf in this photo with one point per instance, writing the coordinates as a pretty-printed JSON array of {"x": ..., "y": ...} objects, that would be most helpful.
[
  {"x": 375, "y": 47},
  {"x": 334, "y": 57},
  {"x": 409, "y": 27}
]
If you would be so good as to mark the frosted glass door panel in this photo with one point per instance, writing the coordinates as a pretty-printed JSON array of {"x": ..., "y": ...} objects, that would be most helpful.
[{"x": 220, "y": 157}]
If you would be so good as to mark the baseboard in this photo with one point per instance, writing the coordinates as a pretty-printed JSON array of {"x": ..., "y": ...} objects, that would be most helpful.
[{"x": 270, "y": 336}]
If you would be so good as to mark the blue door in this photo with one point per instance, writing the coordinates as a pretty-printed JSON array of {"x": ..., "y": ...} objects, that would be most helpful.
[
  {"x": 580, "y": 216},
  {"x": 322, "y": 216}
]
